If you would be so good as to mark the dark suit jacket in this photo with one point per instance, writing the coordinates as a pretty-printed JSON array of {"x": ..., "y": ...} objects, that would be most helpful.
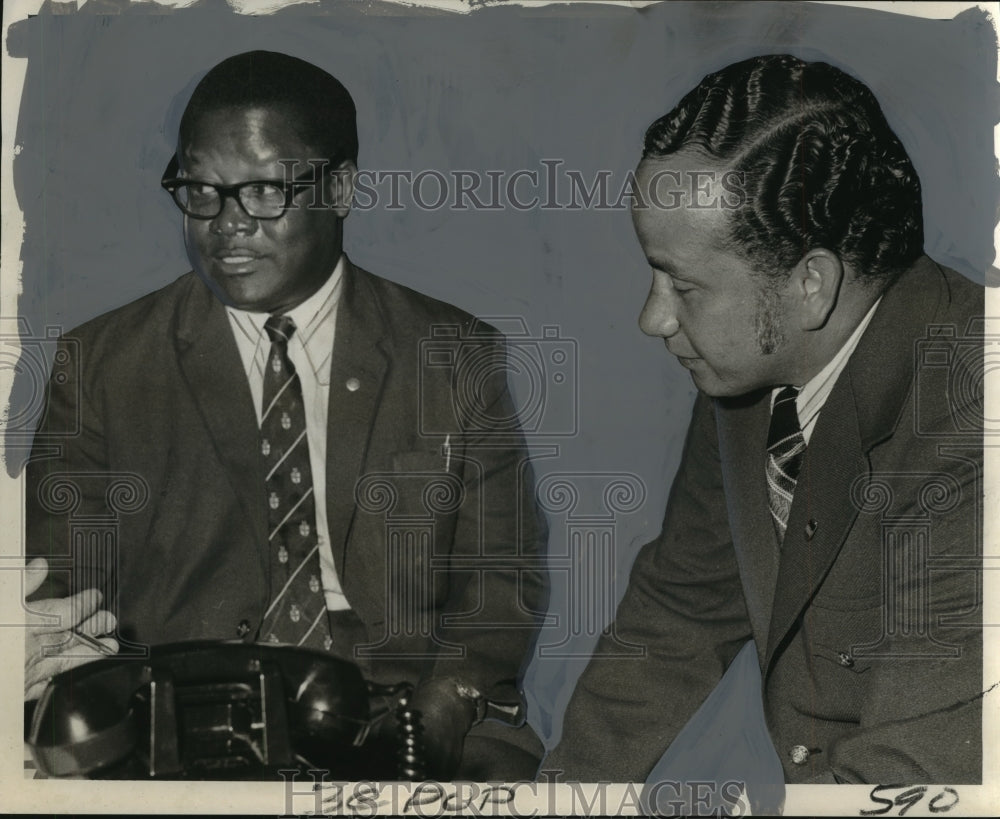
[
  {"x": 156, "y": 440},
  {"x": 867, "y": 621}
]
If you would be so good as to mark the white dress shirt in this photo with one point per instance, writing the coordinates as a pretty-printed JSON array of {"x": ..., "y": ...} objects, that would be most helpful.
[
  {"x": 310, "y": 350},
  {"x": 817, "y": 389}
]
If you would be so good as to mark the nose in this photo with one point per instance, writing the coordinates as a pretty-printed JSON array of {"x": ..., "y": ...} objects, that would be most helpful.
[
  {"x": 659, "y": 313},
  {"x": 232, "y": 219}
]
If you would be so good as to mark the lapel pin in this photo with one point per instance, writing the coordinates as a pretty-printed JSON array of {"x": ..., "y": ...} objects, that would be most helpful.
[
  {"x": 811, "y": 528},
  {"x": 353, "y": 385}
]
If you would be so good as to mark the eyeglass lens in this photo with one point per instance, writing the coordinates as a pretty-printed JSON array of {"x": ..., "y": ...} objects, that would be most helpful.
[{"x": 259, "y": 199}]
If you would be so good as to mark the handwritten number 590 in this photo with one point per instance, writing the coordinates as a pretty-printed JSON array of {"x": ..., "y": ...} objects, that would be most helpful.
[{"x": 940, "y": 803}]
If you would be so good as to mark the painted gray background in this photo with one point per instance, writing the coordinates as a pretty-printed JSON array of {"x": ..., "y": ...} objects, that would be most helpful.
[{"x": 498, "y": 89}]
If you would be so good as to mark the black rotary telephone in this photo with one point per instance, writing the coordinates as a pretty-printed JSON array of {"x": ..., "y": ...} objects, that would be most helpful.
[{"x": 209, "y": 710}]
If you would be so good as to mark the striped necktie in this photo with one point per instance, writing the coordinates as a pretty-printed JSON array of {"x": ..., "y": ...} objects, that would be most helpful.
[
  {"x": 297, "y": 611},
  {"x": 785, "y": 448}
]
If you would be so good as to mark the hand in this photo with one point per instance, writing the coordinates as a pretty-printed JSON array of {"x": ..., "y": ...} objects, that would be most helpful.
[
  {"x": 446, "y": 718},
  {"x": 80, "y": 610}
]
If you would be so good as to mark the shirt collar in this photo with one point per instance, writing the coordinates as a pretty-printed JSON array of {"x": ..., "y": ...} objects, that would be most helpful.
[
  {"x": 314, "y": 319},
  {"x": 813, "y": 394},
  {"x": 308, "y": 315}
]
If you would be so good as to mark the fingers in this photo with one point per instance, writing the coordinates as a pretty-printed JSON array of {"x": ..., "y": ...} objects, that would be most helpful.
[
  {"x": 111, "y": 643},
  {"x": 34, "y": 575},
  {"x": 101, "y": 622},
  {"x": 52, "y": 643},
  {"x": 50, "y": 648},
  {"x": 61, "y": 613},
  {"x": 50, "y": 621}
]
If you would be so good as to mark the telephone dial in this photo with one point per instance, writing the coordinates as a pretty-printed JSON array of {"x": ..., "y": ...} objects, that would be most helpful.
[{"x": 209, "y": 710}]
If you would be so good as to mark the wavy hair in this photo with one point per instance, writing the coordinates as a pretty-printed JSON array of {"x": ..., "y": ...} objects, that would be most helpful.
[{"x": 822, "y": 167}]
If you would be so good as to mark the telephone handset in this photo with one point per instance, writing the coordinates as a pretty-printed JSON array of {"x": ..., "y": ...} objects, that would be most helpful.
[{"x": 209, "y": 710}]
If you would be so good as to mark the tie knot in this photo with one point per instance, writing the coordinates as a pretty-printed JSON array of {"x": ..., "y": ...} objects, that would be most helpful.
[
  {"x": 279, "y": 329},
  {"x": 784, "y": 419},
  {"x": 786, "y": 394}
]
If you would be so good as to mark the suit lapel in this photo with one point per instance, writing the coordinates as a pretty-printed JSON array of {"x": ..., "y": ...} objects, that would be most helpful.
[
  {"x": 822, "y": 512},
  {"x": 211, "y": 365},
  {"x": 357, "y": 373},
  {"x": 863, "y": 409},
  {"x": 742, "y": 446}
]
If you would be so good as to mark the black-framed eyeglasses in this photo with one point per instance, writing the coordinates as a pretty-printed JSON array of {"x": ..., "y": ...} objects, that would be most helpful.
[{"x": 259, "y": 198}]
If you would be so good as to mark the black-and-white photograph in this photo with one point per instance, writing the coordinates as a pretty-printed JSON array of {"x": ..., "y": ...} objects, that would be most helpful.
[{"x": 462, "y": 408}]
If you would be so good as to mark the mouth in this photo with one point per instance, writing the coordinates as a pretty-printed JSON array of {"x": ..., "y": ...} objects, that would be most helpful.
[
  {"x": 236, "y": 259},
  {"x": 683, "y": 359}
]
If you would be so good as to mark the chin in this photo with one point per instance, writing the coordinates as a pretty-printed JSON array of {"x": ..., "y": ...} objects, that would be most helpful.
[
  {"x": 715, "y": 387},
  {"x": 218, "y": 285}
]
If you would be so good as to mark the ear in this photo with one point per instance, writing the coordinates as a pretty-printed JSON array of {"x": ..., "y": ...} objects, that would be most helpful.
[
  {"x": 340, "y": 187},
  {"x": 815, "y": 283}
]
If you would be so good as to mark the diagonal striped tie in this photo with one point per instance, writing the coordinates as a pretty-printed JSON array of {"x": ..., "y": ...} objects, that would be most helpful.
[
  {"x": 297, "y": 612},
  {"x": 785, "y": 448}
]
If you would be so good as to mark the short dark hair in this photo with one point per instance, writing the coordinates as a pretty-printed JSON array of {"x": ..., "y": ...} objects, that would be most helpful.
[
  {"x": 317, "y": 105},
  {"x": 822, "y": 166}
]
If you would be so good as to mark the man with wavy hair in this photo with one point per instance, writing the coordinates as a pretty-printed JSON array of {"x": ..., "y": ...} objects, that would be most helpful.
[{"x": 828, "y": 503}]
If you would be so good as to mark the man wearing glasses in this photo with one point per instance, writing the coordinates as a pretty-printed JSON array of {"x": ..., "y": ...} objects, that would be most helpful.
[{"x": 273, "y": 405}]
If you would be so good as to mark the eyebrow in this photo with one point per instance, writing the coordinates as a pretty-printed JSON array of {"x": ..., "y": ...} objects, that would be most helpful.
[{"x": 667, "y": 267}]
